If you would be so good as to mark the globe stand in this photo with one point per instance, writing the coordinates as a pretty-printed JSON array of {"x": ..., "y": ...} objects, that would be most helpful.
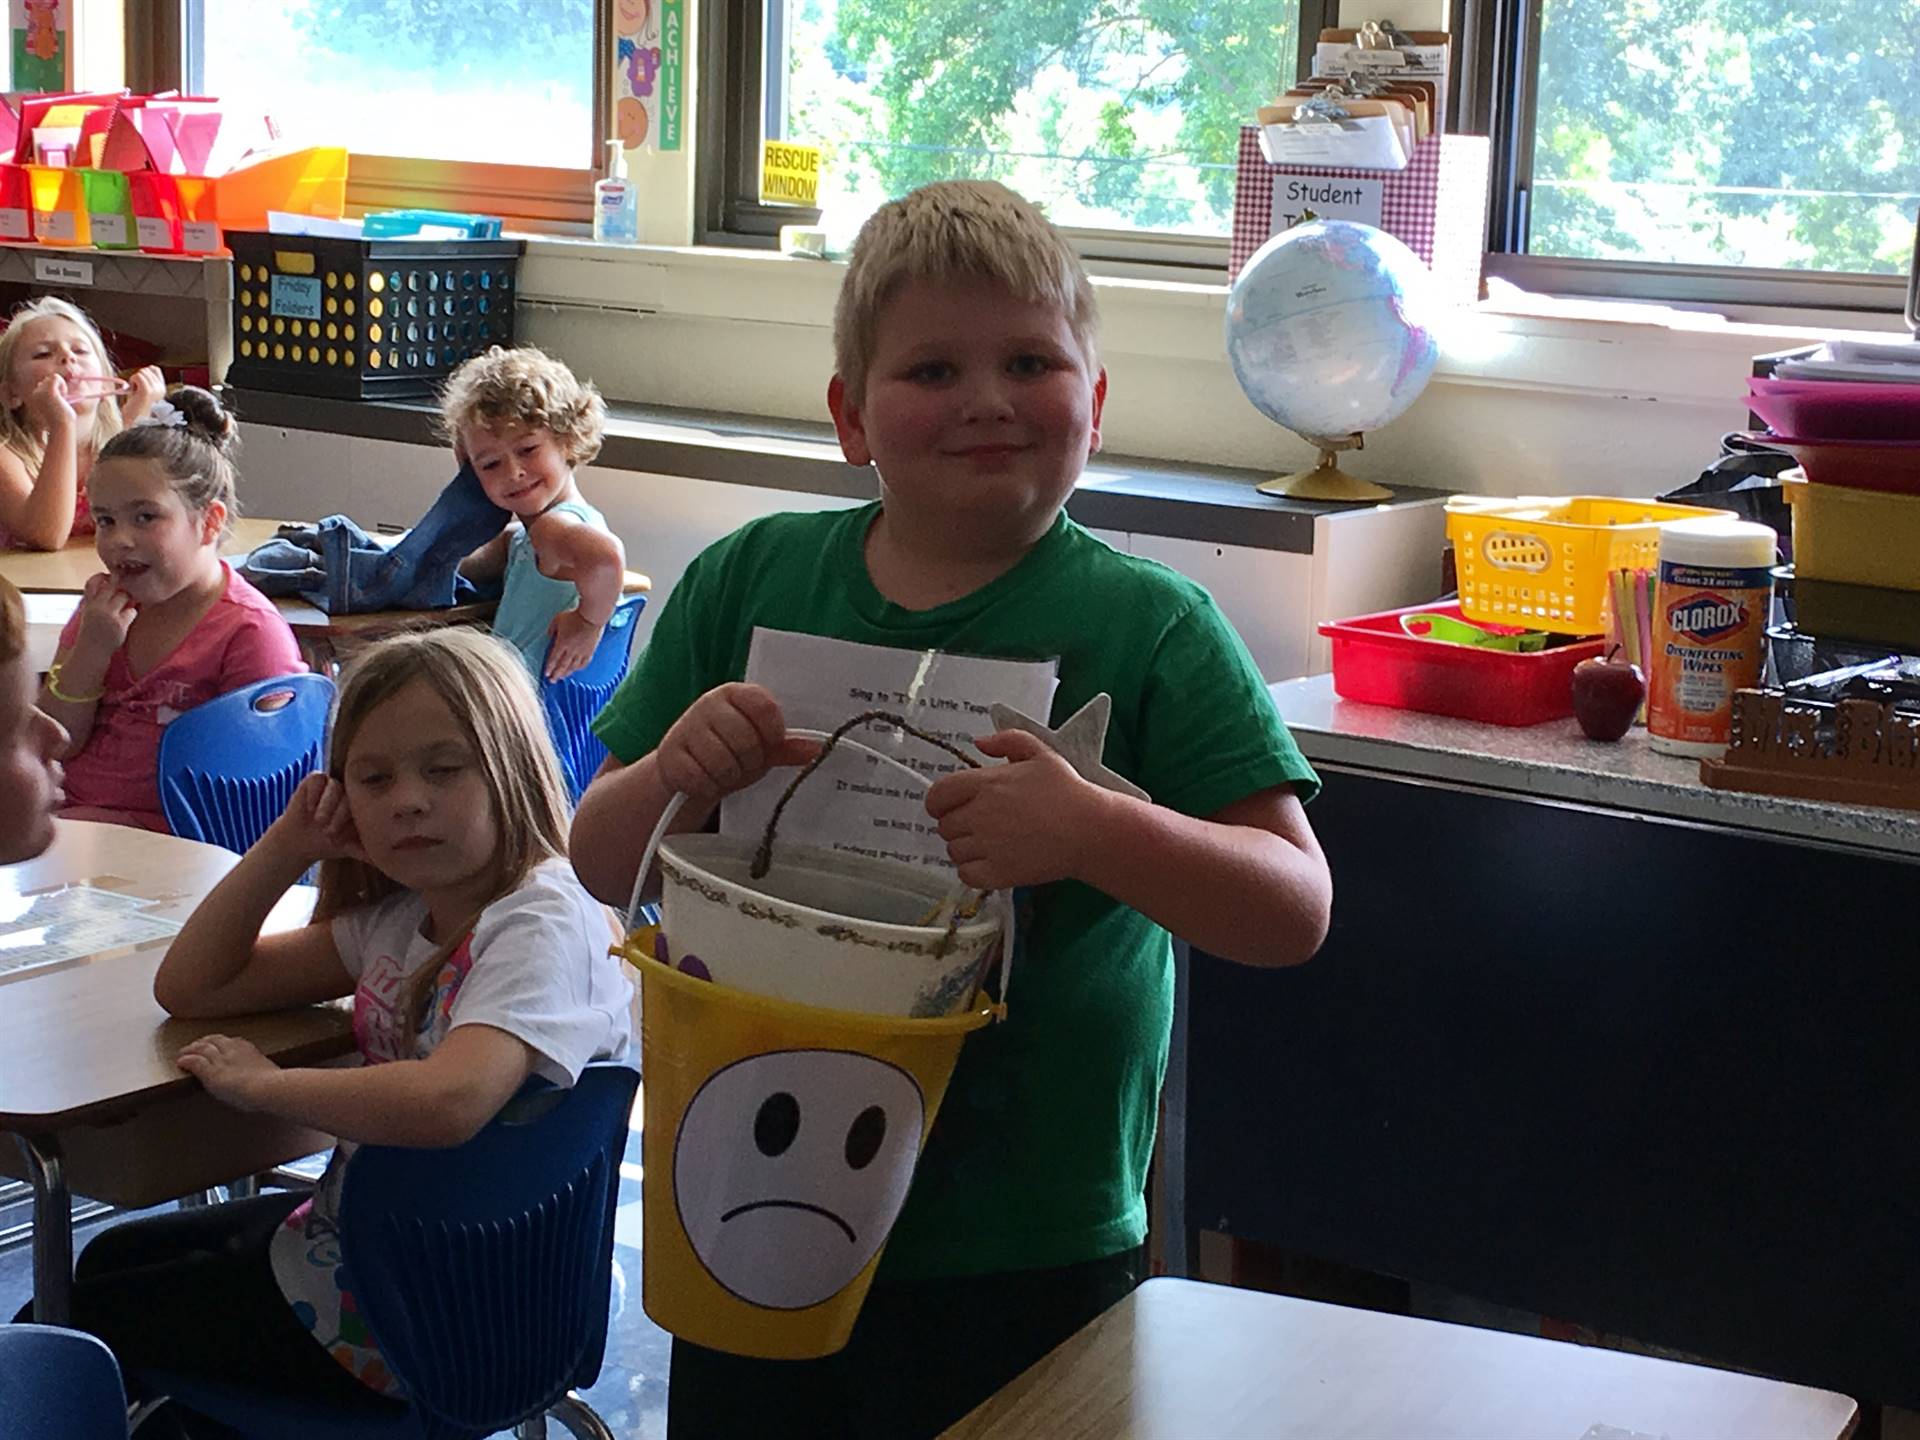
[{"x": 1327, "y": 481}]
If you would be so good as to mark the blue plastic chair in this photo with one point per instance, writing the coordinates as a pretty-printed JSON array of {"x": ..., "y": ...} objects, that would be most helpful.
[
  {"x": 573, "y": 702},
  {"x": 59, "y": 1384},
  {"x": 228, "y": 767},
  {"x": 485, "y": 1271}
]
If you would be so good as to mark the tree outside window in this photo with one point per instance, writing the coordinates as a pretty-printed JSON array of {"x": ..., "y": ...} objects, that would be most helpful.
[
  {"x": 506, "y": 81},
  {"x": 1774, "y": 133},
  {"x": 1110, "y": 113}
]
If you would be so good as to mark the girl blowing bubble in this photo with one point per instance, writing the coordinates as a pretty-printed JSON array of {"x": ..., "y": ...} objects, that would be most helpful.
[{"x": 59, "y": 405}]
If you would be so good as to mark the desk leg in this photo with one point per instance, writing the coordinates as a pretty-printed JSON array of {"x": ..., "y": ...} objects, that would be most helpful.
[
  {"x": 1180, "y": 1243},
  {"x": 52, "y": 1231}
]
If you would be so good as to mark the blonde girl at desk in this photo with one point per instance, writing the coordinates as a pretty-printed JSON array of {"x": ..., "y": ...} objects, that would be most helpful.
[
  {"x": 475, "y": 960},
  {"x": 58, "y": 407},
  {"x": 30, "y": 743}
]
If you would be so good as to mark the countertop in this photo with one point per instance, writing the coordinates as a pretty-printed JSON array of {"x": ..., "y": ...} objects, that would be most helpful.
[
  {"x": 1556, "y": 762},
  {"x": 1152, "y": 497}
]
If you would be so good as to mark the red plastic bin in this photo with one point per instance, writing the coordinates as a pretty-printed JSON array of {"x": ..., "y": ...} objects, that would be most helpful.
[{"x": 1376, "y": 662}]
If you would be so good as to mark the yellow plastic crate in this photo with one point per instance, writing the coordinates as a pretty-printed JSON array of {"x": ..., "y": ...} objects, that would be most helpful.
[
  {"x": 1543, "y": 563},
  {"x": 1855, "y": 537}
]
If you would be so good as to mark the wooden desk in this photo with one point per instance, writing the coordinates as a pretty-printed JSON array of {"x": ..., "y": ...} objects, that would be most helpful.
[
  {"x": 1178, "y": 1359},
  {"x": 329, "y": 641},
  {"x": 88, "y": 1083},
  {"x": 68, "y": 569},
  {"x": 325, "y": 640}
]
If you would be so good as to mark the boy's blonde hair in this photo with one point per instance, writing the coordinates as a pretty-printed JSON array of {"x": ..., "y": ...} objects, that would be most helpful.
[
  {"x": 15, "y": 431},
  {"x": 196, "y": 455},
  {"x": 486, "y": 686},
  {"x": 952, "y": 230},
  {"x": 13, "y": 623},
  {"x": 528, "y": 385}
]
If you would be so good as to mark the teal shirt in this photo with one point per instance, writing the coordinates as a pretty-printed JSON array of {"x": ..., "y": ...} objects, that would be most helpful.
[
  {"x": 530, "y": 600},
  {"x": 1039, "y": 1154}
]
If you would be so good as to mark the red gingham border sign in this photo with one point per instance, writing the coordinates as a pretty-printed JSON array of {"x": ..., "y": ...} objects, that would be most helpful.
[{"x": 1437, "y": 206}]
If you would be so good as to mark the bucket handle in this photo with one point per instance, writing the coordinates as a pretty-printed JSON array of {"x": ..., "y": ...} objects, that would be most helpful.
[{"x": 952, "y": 905}]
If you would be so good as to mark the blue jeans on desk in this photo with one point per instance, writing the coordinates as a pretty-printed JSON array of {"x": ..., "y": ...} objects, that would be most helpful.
[{"x": 341, "y": 569}]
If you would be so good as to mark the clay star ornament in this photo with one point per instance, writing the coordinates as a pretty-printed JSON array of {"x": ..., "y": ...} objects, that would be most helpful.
[{"x": 1081, "y": 740}]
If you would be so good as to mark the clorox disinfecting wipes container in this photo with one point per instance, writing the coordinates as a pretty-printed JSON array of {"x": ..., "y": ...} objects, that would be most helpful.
[{"x": 1709, "y": 631}]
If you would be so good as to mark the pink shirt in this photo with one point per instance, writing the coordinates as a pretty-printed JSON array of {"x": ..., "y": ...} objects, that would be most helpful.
[{"x": 240, "y": 640}]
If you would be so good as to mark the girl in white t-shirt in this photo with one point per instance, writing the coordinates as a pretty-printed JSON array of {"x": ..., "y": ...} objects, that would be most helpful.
[{"x": 475, "y": 959}]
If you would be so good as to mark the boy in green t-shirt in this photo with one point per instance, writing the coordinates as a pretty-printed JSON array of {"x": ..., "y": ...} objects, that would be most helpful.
[{"x": 966, "y": 375}]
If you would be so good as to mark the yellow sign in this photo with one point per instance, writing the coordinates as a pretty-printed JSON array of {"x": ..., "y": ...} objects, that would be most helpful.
[{"x": 789, "y": 174}]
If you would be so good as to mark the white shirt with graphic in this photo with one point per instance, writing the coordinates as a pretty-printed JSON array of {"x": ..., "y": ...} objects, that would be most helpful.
[{"x": 536, "y": 966}]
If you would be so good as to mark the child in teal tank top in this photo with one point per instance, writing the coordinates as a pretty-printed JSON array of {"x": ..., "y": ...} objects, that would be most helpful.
[
  {"x": 966, "y": 376},
  {"x": 523, "y": 421}
]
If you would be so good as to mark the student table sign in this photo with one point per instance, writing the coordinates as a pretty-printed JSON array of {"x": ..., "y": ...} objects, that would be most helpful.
[{"x": 1437, "y": 206}]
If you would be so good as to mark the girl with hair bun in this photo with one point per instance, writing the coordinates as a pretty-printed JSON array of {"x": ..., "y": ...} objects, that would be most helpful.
[{"x": 170, "y": 625}]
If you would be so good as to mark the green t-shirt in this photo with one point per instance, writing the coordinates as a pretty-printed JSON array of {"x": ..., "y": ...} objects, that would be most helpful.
[{"x": 1039, "y": 1154}]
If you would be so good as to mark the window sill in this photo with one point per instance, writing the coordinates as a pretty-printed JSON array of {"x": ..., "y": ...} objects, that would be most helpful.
[
  {"x": 1518, "y": 340},
  {"x": 1213, "y": 504},
  {"x": 1548, "y": 395}
]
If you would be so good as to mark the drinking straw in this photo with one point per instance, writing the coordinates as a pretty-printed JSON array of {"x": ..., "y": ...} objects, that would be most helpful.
[{"x": 1644, "y": 605}]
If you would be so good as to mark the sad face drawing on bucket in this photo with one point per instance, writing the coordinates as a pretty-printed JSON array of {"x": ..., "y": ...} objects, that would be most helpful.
[{"x": 790, "y": 1168}]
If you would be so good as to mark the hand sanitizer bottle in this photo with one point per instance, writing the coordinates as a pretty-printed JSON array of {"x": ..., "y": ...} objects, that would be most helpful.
[{"x": 616, "y": 203}]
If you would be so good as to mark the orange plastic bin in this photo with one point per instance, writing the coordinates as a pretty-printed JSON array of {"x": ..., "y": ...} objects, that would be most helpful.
[
  {"x": 312, "y": 181},
  {"x": 59, "y": 206}
]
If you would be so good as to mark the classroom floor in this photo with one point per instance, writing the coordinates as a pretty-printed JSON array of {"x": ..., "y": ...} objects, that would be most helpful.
[{"x": 631, "y": 1395}]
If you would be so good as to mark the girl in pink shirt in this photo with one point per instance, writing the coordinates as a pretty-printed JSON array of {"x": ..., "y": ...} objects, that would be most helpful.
[
  {"x": 57, "y": 409},
  {"x": 169, "y": 625}
]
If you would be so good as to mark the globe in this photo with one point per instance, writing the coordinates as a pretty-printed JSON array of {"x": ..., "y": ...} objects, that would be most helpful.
[{"x": 1330, "y": 331}]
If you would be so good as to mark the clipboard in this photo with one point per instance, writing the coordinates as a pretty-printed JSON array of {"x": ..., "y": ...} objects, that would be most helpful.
[
  {"x": 1382, "y": 47},
  {"x": 1325, "y": 130}
]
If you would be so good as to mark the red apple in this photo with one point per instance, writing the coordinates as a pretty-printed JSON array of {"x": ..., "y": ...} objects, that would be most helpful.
[{"x": 1607, "y": 695}]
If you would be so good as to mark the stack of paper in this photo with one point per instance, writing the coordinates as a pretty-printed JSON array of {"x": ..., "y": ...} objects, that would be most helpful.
[{"x": 1897, "y": 362}]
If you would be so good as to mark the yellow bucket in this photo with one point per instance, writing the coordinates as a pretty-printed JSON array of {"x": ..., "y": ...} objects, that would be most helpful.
[{"x": 779, "y": 1144}]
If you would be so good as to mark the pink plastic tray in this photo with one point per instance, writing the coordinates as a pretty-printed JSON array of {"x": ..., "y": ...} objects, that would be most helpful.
[
  {"x": 1889, "y": 465},
  {"x": 1837, "y": 409}
]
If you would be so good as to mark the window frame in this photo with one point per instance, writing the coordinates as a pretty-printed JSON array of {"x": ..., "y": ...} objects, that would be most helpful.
[
  {"x": 1499, "y": 64},
  {"x": 727, "y": 158},
  {"x": 161, "y": 39},
  {"x": 1493, "y": 94}
]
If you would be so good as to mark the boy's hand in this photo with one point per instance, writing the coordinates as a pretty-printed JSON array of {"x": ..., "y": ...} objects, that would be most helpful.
[
  {"x": 574, "y": 640},
  {"x": 316, "y": 825},
  {"x": 48, "y": 407},
  {"x": 232, "y": 1070},
  {"x": 1027, "y": 822},
  {"x": 728, "y": 738},
  {"x": 106, "y": 614},
  {"x": 144, "y": 387}
]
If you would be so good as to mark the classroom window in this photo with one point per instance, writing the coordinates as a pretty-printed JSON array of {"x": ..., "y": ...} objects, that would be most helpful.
[
  {"x": 1777, "y": 134},
  {"x": 1116, "y": 116},
  {"x": 1714, "y": 151},
  {"x": 497, "y": 81}
]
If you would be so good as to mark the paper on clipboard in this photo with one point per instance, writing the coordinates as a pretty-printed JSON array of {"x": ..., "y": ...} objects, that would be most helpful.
[
  {"x": 1420, "y": 62},
  {"x": 1365, "y": 142}
]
